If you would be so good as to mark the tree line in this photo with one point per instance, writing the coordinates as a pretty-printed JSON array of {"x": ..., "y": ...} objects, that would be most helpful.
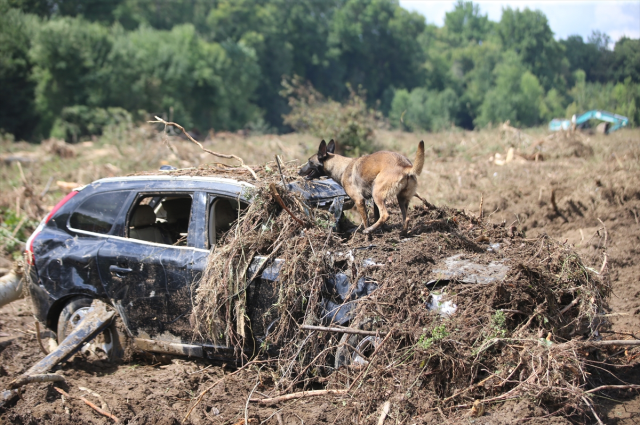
[{"x": 70, "y": 67}]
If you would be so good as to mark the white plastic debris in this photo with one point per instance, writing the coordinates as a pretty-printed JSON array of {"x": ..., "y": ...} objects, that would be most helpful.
[{"x": 443, "y": 308}]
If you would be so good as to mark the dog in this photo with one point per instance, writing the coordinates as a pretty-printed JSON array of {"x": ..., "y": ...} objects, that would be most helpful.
[{"x": 380, "y": 175}]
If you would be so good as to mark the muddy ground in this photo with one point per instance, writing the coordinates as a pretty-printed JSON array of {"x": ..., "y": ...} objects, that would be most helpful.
[{"x": 595, "y": 182}]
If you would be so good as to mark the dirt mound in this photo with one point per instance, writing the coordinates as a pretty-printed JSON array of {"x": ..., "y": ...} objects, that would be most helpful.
[{"x": 566, "y": 145}]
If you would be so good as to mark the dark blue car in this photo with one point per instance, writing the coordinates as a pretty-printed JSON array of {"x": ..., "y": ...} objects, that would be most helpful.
[{"x": 139, "y": 244}]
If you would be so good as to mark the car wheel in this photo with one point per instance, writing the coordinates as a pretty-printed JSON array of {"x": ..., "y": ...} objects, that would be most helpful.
[
  {"x": 355, "y": 350},
  {"x": 106, "y": 346}
]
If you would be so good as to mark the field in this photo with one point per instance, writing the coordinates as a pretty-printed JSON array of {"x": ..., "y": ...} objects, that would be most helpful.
[{"x": 576, "y": 188}]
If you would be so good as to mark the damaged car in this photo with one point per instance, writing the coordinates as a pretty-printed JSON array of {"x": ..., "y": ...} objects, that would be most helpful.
[{"x": 140, "y": 244}]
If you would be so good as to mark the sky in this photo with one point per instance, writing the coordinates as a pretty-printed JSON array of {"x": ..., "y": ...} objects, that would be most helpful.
[{"x": 615, "y": 18}]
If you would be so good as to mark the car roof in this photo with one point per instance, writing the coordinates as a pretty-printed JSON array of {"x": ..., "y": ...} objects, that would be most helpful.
[
  {"x": 160, "y": 177},
  {"x": 161, "y": 182},
  {"x": 314, "y": 191}
]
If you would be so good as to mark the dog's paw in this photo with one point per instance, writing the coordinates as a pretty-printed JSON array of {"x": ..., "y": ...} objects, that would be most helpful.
[{"x": 366, "y": 231}]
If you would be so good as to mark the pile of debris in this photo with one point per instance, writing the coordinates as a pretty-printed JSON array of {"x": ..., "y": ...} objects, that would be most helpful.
[
  {"x": 460, "y": 310},
  {"x": 459, "y": 314}
]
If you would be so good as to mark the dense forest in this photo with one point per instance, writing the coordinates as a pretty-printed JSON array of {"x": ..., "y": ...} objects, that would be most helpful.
[{"x": 70, "y": 67}]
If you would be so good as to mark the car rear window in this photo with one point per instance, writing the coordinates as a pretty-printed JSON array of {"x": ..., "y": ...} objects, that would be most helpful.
[{"x": 98, "y": 212}]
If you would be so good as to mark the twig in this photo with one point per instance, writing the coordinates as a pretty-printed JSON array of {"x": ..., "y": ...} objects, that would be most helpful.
[
  {"x": 198, "y": 371},
  {"x": 103, "y": 403},
  {"x": 481, "y": 203},
  {"x": 17, "y": 228},
  {"x": 44, "y": 350},
  {"x": 311, "y": 363},
  {"x": 442, "y": 414},
  {"x": 592, "y": 410},
  {"x": 553, "y": 201},
  {"x": 199, "y": 399},
  {"x": 604, "y": 254},
  {"x": 88, "y": 403},
  {"x": 571, "y": 304},
  {"x": 293, "y": 396},
  {"x": 425, "y": 202},
  {"x": 17, "y": 241},
  {"x": 46, "y": 188},
  {"x": 284, "y": 185},
  {"x": 22, "y": 177},
  {"x": 28, "y": 379},
  {"x": 385, "y": 411},
  {"x": 246, "y": 406},
  {"x": 275, "y": 413},
  {"x": 613, "y": 387},
  {"x": 220, "y": 155},
  {"x": 276, "y": 195},
  {"x": 614, "y": 342},
  {"x": 341, "y": 329}
]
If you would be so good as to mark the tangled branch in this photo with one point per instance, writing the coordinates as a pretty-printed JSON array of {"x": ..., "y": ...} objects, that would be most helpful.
[{"x": 219, "y": 155}]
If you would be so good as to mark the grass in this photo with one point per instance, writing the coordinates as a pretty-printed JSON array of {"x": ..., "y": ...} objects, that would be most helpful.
[{"x": 437, "y": 334}]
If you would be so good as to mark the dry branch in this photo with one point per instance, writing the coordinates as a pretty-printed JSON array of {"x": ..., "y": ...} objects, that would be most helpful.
[
  {"x": 284, "y": 185},
  {"x": 385, "y": 411},
  {"x": 592, "y": 410},
  {"x": 425, "y": 202},
  {"x": 614, "y": 387},
  {"x": 103, "y": 403},
  {"x": 28, "y": 379},
  {"x": 274, "y": 192},
  {"x": 206, "y": 390},
  {"x": 301, "y": 394},
  {"x": 553, "y": 202},
  {"x": 341, "y": 329},
  {"x": 220, "y": 155},
  {"x": 614, "y": 342},
  {"x": 88, "y": 403},
  {"x": 604, "y": 254},
  {"x": 571, "y": 304},
  {"x": 44, "y": 350}
]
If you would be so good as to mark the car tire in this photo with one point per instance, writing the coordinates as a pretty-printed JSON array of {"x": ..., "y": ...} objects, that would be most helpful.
[
  {"x": 106, "y": 346},
  {"x": 354, "y": 349}
]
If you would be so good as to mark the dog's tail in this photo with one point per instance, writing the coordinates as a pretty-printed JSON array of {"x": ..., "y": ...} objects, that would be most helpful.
[{"x": 419, "y": 161}]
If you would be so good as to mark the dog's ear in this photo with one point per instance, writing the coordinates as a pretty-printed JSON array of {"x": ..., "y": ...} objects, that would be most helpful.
[
  {"x": 322, "y": 151},
  {"x": 331, "y": 148}
]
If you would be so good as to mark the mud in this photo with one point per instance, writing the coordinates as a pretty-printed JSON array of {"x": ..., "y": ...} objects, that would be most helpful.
[{"x": 146, "y": 390}]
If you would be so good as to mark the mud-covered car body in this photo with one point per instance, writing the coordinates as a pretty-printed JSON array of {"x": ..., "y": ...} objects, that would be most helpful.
[{"x": 97, "y": 243}]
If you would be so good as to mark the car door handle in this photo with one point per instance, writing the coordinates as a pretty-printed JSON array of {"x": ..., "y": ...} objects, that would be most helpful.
[{"x": 119, "y": 270}]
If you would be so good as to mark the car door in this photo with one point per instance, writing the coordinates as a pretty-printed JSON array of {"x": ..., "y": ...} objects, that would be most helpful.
[
  {"x": 147, "y": 272},
  {"x": 67, "y": 246},
  {"x": 218, "y": 212}
]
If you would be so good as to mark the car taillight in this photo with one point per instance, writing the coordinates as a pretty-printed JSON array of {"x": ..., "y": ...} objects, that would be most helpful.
[{"x": 28, "y": 253}]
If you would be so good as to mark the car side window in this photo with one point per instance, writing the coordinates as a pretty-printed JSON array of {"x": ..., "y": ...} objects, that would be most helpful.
[
  {"x": 161, "y": 218},
  {"x": 223, "y": 213},
  {"x": 98, "y": 212}
]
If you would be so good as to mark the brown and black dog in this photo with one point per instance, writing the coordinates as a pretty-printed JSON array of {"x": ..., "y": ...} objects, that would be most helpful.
[{"x": 381, "y": 176}]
